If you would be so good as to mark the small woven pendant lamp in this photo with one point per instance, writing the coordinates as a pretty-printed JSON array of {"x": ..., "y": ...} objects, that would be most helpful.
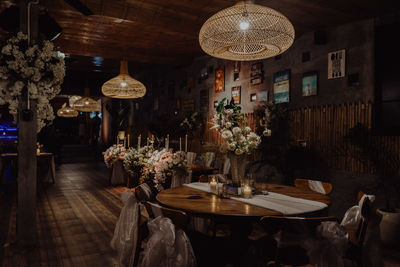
[
  {"x": 123, "y": 86},
  {"x": 245, "y": 32},
  {"x": 67, "y": 112},
  {"x": 87, "y": 104}
]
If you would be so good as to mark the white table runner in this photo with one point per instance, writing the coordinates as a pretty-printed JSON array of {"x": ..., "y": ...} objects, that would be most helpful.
[{"x": 282, "y": 203}]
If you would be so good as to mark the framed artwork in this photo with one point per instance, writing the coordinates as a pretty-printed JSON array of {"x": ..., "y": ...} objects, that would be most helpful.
[
  {"x": 262, "y": 96},
  {"x": 336, "y": 64},
  {"x": 256, "y": 80},
  {"x": 220, "y": 79},
  {"x": 204, "y": 100},
  {"x": 310, "y": 84},
  {"x": 257, "y": 69},
  {"x": 236, "y": 94},
  {"x": 253, "y": 97},
  {"x": 281, "y": 86},
  {"x": 188, "y": 105}
]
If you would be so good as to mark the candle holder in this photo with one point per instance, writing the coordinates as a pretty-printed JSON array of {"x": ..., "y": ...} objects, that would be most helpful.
[
  {"x": 247, "y": 188},
  {"x": 213, "y": 182}
]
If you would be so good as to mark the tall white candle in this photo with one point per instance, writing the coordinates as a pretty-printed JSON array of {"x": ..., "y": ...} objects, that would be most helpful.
[
  {"x": 139, "y": 139},
  {"x": 168, "y": 140},
  {"x": 186, "y": 142},
  {"x": 166, "y": 144},
  {"x": 180, "y": 143},
  {"x": 124, "y": 142},
  {"x": 147, "y": 141}
]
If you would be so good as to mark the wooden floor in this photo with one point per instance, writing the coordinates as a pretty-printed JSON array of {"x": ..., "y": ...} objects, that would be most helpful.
[{"x": 75, "y": 220}]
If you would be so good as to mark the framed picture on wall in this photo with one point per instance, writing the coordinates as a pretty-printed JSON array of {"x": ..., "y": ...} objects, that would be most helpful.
[
  {"x": 336, "y": 64},
  {"x": 220, "y": 79},
  {"x": 253, "y": 97},
  {"x": 262, "y": 96},
  {"x": 310, "y": 84},
  {"x": 281, "y": 86},
  {"x": 236, "y": 94}
]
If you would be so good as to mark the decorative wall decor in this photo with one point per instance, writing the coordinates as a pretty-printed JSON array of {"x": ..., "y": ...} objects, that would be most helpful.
[
  {"x": 220, "y": 79},
  {"x": 236, "y": 70},
  {"x": 253, "y": 97},
  {"x": 257, "y": 73},
  {"x": 236, "y": 94},
  {"x": 336, "y": 64},
  {"x": 310, "y": 84},
  {"x": 262, "y": 96},
  {"x": 281, "y": 86},
  {"x": 204, "y": 100},
  {"x": 188, "y": 105}
]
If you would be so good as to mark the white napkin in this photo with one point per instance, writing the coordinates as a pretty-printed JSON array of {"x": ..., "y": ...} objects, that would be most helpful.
[
  {"x": 316, "y": 186},
  {"x": 284, "y": 204}
]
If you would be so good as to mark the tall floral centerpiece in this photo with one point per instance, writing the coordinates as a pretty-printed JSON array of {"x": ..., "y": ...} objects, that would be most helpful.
[
  {"x": 114, "y": 153},
  {"x": 238, "y": 138},
  {"x": 36, "y": 69},
  {"x": 138, "y": 162}
]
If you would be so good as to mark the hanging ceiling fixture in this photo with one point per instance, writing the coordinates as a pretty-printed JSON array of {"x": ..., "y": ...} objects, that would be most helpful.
[
  {"x": 245, "y": 32},
  {"x": 67, "y": 112},
  {"x": 123, "y": 86},
  {"x": 87, "y": 104},
  {"x": 73, "y": 99}
]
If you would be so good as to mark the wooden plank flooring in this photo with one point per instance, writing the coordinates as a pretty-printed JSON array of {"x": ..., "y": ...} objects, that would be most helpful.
[{"x": 75, "y": 220}]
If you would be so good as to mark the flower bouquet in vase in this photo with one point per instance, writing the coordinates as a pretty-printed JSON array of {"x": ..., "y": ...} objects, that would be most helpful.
[{"x": 238, "y": 138}]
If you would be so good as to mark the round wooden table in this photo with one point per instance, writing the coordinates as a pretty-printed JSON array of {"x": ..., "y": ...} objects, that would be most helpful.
[{"x": 201, "y": 203}]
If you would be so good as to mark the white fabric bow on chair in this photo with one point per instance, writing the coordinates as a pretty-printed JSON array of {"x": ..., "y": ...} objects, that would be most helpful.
[
  {"x": 126, "y": 231},
  {"x": 167, "y": 247}
]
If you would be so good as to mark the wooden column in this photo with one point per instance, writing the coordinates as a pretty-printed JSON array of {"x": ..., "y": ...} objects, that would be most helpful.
[{"x": 26, "y": 210}]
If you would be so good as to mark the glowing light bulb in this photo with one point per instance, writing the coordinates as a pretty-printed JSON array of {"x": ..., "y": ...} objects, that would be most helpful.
[
  {"x": 123, "y": 84},
  {"x": 86, "y": 102},
  {"x": 244, "y": 25}
]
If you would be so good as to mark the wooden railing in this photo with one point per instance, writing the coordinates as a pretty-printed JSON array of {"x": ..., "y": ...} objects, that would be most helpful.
[{"x": 323, "y": 128}]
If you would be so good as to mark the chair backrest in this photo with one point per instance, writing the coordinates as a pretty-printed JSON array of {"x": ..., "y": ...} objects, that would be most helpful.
[
  {"x": 317, "y": 186},
  {"x": 366, "y": 214},
  {"x": 143, "y": 192},
  {"x": 179, "y": 218}
]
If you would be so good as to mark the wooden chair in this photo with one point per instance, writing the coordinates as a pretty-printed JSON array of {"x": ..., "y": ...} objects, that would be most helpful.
[
  {"x": 305, "y": 184},
  {"x": 292, "y": 254},
  {"x": 179, "y": 218}
]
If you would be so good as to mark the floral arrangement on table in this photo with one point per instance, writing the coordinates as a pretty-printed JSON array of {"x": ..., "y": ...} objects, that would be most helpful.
[
  {"x": 231, "y": 124},
  {"x": 114, "y": 153},
  {"x": 136, "y": 159},
  {"x": 169, "y": 162},
  {"x": 37, "y": 68}
]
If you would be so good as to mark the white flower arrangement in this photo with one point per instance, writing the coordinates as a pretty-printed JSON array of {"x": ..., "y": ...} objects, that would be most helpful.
[
  {"x": 114, "y": 153},
  {"x": 37, "y": 67},
  {"x": 237, "y": 136},
  {"x": 167, "y": 163},
  {"x": 136, "y": 159}
]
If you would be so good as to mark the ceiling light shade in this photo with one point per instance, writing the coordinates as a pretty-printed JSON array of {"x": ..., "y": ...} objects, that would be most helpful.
[
  {"x": 67, "y": 112},
  {"x": 87, "y": 104},
  {"x": 73, "y": 99},
  {"x": 123, "y": 86},
  {"x": 245, "y": 32}
]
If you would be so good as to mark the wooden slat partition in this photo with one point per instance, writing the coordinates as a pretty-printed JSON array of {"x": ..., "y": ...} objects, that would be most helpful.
[{"x": 324, "y": 128}]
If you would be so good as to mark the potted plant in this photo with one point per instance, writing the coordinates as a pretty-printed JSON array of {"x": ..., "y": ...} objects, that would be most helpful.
[{"x": 386, "y": 164}]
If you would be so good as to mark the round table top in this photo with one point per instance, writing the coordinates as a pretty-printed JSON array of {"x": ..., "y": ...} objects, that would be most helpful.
[{"x": 202, "y": 203}]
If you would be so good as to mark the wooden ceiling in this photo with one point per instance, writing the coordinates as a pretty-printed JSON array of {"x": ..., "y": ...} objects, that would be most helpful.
[{"x": 166, "y": 31}]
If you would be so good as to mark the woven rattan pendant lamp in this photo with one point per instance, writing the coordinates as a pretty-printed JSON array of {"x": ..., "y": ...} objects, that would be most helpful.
[
  {"x": 245, "y": 32},
  {"x": 87, "y": 104},
  {"x": 67, "y": 112},
  {"x": 123, "y": 86}
]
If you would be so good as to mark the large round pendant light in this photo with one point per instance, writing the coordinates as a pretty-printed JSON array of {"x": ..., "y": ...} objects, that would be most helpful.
[
  {"x": 123, "y": 86},
  {"x": 246, "y": 31},
  {"x": 67, "y": 112},
  {"x": 87, "y": 104}
]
